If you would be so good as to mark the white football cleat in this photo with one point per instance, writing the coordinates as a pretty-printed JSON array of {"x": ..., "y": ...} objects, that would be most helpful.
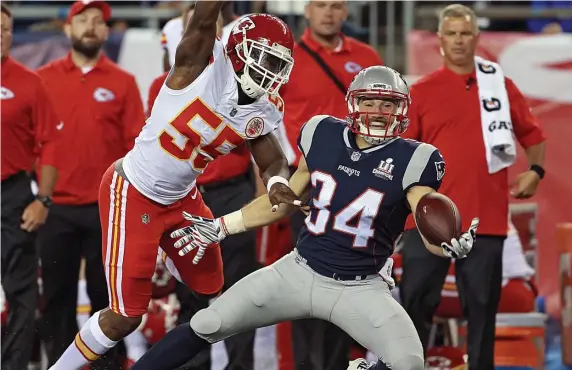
[{"x": 359, "y": 364}]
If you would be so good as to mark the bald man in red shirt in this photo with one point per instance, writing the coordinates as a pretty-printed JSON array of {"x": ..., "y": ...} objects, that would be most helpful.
[
  {"x": 313, "y": 90},
  {"x": 446, "y": 112}
]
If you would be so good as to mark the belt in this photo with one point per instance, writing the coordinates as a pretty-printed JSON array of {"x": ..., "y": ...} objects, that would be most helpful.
[
  {"x": 215, "y": 185},
  {"x": 332, "y": 275},
  {"x": 17, "y": 176}
]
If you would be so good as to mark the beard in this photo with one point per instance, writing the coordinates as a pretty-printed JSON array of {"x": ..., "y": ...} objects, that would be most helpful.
[{"x": 89, "y": 50}]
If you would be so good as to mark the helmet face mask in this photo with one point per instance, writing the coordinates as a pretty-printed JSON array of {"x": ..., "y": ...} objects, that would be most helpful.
[
  {"x": 377, "y": 115},
  {"x": 260, "y": 49},
  {"x": 378, "y": 101},
  {"x": 266, "y": 68}
]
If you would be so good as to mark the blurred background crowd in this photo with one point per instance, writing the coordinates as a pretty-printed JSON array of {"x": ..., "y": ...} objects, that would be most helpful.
[{"x": 532, "y": 42}]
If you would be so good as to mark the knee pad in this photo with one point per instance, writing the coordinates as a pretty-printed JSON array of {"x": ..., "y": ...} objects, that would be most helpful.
[
  {"x": 206, "y": 323},
  {"x": 409, "y": 362}
]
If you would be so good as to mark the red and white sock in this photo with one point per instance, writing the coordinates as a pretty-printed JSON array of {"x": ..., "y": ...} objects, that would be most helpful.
[
  {"x": 83, "y": 304},
  {"x": 89, "y": 344},
  {"x": 135, "y": 345}
]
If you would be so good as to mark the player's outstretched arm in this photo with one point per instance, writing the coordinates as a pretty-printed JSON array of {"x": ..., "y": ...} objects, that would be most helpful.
[
  {"x": 258, "y": 213},
  {"x": 204, "y": 232},
  {"x": 196, "y": 46},
  {"x": 458, "y": 248},
  {"x": 274, "y": 171}
]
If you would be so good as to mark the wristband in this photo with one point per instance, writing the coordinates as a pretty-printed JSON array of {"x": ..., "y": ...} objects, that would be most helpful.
[
  {"x": 275, "y": 179},
  {"x": 233, "y": 223},
  {"x": 45, "y": 200},
  {"x": 539, "y": 170}
]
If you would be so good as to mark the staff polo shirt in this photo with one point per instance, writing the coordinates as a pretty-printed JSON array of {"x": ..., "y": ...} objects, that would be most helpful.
[
  {"x": 29, "y": 124},
  {"x": 101, "y": 113},
  {"x": 310, "y": 91},
  {"x": 445, "y": 112}
]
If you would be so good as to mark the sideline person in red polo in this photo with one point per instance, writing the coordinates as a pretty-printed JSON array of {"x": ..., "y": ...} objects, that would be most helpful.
[
  {"x": 29, "y": 131},
  {"x": 326, "y": 63},
  {"x": 475, "y": 116},
  {"x": 102, "y": 113}
]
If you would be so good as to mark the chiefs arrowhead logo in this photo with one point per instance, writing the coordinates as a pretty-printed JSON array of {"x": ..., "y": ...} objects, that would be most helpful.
[
  {"x": 254, "y": 128},
  {"x": 6, "y": 93},
  {"x": 103, "y": 95}
]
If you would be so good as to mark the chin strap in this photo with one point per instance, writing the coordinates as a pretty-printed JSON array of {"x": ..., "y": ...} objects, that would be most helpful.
[
  {"x": 370, "y": 139},
  {"x": 248, "y": 86}
]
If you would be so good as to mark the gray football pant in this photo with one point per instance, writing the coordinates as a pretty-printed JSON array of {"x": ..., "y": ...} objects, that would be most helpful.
[{"x": 290, "y": 290}]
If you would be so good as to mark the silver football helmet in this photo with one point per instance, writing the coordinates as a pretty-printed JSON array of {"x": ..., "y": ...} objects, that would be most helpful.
[{"x": 378, "y": 100}]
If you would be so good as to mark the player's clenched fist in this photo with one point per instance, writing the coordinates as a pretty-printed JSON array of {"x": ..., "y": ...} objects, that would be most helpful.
[
  {"x": 202, "y": 233},
  {"x": 279, "y": 192}
]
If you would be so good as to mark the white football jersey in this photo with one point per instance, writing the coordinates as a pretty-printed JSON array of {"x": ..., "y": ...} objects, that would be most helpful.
[
  {"x": 171, "y": 36},
  {"x": 190, "y": 127}
]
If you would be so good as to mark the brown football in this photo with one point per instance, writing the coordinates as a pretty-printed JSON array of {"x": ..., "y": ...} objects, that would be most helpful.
[{"x": 438, "y": 218}]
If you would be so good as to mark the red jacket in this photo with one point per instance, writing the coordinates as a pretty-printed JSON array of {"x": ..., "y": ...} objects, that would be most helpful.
[
  {"x": 235, "y": 163},
  {"x": 101, "y": 113},
  {"x": 310, "y": 91},
  {"x": 446, "y": 113},
  {"x": 29, "y": 124}
]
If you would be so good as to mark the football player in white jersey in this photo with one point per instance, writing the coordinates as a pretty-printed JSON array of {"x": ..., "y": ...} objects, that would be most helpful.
[{"x": 213, "y": 100}]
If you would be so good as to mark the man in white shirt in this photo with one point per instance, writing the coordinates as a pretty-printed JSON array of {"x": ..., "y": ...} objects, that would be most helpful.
[{"x": 172, "y": 33}]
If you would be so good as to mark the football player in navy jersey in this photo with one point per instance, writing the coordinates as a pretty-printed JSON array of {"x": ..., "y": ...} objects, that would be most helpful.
[{"x": 363, "y": 181}]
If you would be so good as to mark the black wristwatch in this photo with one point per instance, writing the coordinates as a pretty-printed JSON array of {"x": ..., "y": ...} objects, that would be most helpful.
[
  {"x": 539, "y": 170},
  {"x": 45, "y": 200}
]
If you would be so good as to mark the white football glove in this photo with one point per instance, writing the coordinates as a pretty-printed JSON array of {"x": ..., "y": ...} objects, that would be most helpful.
[
  {"x": 202, "y": 233},
  {"x": 459, "y": 248}
]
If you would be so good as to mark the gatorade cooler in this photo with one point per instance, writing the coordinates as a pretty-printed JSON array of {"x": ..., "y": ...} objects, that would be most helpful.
[{"x": 519, "y": 340}]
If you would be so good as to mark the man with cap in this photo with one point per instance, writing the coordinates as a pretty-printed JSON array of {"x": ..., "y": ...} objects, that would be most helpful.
[{"x": 101, "y": 113}]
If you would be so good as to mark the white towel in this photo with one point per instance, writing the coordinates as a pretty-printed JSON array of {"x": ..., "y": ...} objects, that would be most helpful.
[
  {"x": 498, "y": 135},
  {"x": 514, "y": 263}
]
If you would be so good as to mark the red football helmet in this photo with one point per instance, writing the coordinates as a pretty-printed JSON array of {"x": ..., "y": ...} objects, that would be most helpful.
[{"x": 260, "y": 49}]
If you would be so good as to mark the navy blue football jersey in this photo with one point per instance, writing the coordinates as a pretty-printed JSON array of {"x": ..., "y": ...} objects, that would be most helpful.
[{"x": 358, "y": 197}]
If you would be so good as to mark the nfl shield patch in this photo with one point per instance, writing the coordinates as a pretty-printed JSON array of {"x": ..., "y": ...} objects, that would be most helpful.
[
  {"x": 355, "y": 156},
  {"x": 145, "y": 219}
]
